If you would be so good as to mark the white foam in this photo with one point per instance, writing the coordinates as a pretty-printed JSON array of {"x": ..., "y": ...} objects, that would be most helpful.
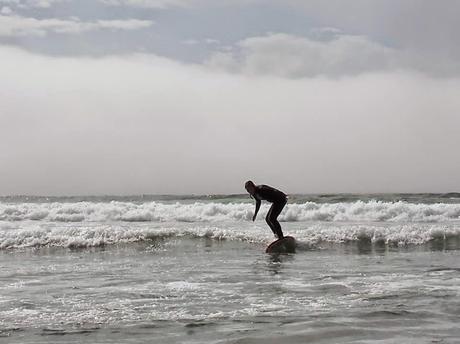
[
  {"x": 30, "y": 234},
  {"x": 75, "y": 235},
  {"x": 372, "y": 211},
  {"x": 394, "y": 234}
]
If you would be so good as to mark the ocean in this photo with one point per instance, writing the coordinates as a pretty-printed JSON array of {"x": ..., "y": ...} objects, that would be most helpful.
[{"x": 368, "y": 268}]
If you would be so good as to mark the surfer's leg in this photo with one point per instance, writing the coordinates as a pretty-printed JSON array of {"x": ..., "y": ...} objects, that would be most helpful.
[
  {"x": 268, "y": 220},
  {"x": 274, "y": 212}
]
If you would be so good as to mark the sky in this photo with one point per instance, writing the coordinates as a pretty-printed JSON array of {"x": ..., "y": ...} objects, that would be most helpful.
[{"x": 198, "y": 96}]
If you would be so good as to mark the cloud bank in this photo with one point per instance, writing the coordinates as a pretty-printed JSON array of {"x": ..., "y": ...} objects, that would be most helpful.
[{"x": 145, "y": 124}]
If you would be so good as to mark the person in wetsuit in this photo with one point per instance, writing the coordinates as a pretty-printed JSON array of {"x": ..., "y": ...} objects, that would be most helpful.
[{"x": 276, "y": 197}]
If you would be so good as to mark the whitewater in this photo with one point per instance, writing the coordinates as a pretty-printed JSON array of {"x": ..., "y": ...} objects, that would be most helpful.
[
  {"x": 92, "y": 223},
  {"x": 374, "y": 211}
]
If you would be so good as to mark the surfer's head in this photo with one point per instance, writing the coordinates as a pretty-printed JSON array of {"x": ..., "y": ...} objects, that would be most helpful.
[{"x": 250, "y": 187}]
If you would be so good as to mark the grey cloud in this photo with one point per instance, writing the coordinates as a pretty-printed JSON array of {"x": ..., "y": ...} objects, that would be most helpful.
[
  {"x": 25, "y": 26},
  {"x": 146, "y": 3},
  {"x": 330, "y": 53},
  {"x": 27, "y": 4},
  {"x": 291, "y": 56},
  {"x": 162, "y": 4},
  {"x": 351, "y": 37},
  {"x": 6, "y": 10},
  {"x": 419, "y": 26}
]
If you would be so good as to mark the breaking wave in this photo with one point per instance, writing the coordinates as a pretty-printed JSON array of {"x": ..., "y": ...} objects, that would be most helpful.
[
  {"x": 371, "y": 211},
  {"x": 308, "y": 235},
  {"x": 93, "y": 224}
]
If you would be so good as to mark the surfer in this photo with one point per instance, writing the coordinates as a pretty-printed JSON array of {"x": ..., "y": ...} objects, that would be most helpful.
[{"x": 276, "y": 197}]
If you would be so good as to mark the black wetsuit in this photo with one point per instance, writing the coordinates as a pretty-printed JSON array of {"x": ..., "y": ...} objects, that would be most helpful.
[{"x": 279, "y": 200}]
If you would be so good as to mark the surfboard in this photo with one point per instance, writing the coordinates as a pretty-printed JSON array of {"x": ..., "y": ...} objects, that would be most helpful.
[{"x": 284, "y": 245}]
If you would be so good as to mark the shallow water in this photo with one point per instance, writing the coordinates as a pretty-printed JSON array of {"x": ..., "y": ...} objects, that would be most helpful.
[{"x": 204, "y": 290}]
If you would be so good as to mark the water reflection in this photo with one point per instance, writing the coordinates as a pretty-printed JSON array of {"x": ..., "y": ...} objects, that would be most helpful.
[
  {"x": 445, "y": 243},
  {"x": 276, "y": 262}
]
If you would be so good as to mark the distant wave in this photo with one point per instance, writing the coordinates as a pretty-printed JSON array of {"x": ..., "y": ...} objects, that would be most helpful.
[
  {"x": 358, "y": 211},
  {"x": 415, "y": 198}
]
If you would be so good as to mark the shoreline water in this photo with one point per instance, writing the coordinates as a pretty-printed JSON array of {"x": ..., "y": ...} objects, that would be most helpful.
[{"x": 183, "y": 290}]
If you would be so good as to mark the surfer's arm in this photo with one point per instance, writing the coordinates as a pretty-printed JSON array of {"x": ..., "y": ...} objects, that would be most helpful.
[{"x": 257, "y": 208}]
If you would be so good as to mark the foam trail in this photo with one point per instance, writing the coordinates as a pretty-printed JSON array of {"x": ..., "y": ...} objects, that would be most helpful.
[{"x": 372, "y": 211}]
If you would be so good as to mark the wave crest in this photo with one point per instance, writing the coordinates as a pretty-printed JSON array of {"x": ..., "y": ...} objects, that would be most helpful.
[{"x": 371, "y": 211}]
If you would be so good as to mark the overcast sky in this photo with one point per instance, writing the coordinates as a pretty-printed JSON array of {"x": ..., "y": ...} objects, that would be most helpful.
[{"x": 197, "y": 96}]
